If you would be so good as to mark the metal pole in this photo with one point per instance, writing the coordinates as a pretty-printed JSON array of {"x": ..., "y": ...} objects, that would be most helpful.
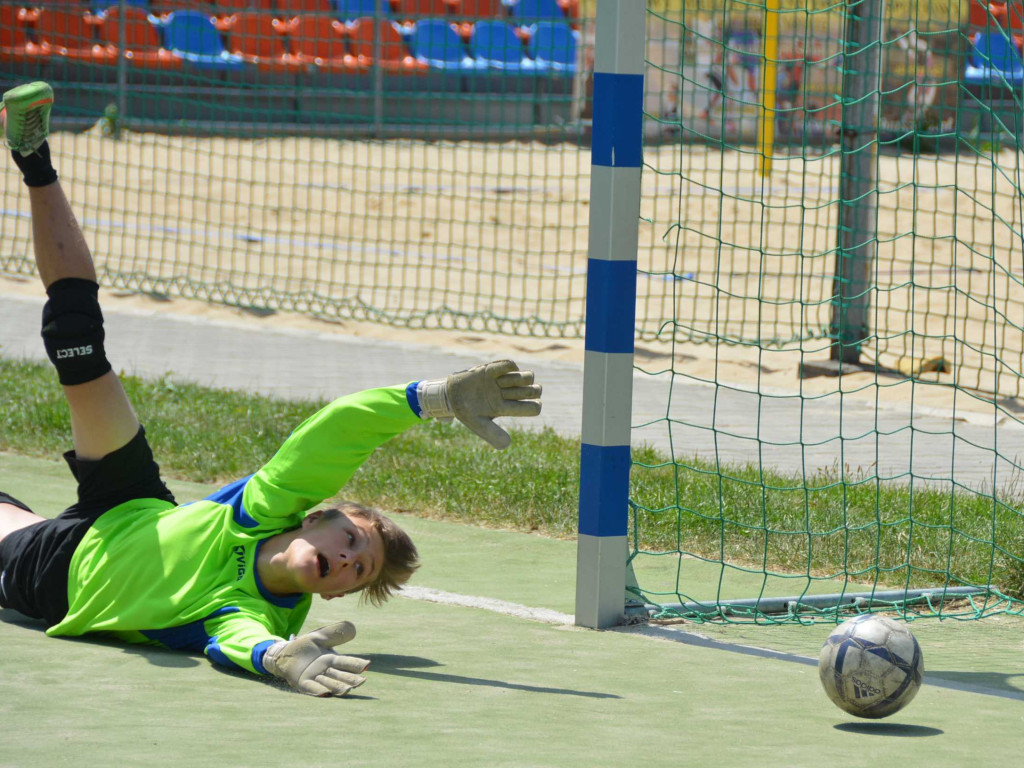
[
  {"x": 769, "y": 85},
  {"x": 858, "y": 137},
  {"x": 616, "y": 154}
]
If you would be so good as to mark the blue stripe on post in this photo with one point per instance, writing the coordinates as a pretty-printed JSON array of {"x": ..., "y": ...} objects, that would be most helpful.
[
  {"x": 604, "y": 489},
  {"x": 618, "y": 120},
  {"x": 611, "y": 305}
]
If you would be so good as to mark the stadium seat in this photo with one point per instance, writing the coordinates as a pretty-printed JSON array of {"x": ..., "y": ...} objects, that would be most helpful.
[
  {"x": 102, "y": 6},
  {"x": 526, "y": 12},
  {"x": 993, "y": 59},
  {"x": 228, "y": 7},
  {"x": 192, "y": 35},
  {"x": 437, "y": 43},
  {"x": 350, "y": 10},
  {"x": 69, "y": 34},
  {"x": 474, "y": 10},
  {"x": 143, "y": 46},
  {"x": 291, "y": 8},
  {"x": 417, "y": 9},
  {"x": 321, "y": 41},
  {"x": 14, "y": 43},
  {"x": 164, "y": 8},
  {"x": 496, "y": 44},
  {"x": 553, "y": 47},
  {"x": 258, "y": 38},
  {"x": 395, "y": 55}
]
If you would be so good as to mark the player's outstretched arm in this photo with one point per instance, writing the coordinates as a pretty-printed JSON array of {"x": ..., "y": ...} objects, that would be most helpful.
[
  {"x": 309, "y": 664},
  {"x": 479, "y": 395}
]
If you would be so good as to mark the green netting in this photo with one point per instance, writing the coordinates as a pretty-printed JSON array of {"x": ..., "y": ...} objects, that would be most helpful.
[
  {"x": 829, "y": 222},
  {"x": 459, "y": 200}
]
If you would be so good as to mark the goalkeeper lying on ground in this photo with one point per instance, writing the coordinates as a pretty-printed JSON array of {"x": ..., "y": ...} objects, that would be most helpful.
[{"x": 232, "y": 575}]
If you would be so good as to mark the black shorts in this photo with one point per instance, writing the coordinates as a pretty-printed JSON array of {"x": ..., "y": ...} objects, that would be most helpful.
[{"x": 34, "y": 561}]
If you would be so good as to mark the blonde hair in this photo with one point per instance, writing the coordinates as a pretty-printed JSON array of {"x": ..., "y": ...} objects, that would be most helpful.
[{"x": 400, "y": 556}]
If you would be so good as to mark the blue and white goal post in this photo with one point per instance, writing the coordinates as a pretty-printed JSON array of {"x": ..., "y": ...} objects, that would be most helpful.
[{"x": 616, "y": 156}]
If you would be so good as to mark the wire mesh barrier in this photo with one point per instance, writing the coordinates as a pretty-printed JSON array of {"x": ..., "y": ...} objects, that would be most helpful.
[
  {"x": 822, "y": 186},
  {"x": 861, "y": 217}
]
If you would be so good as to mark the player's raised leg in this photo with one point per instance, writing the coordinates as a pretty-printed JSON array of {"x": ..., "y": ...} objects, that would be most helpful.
[{"x": 102, "y": 418}]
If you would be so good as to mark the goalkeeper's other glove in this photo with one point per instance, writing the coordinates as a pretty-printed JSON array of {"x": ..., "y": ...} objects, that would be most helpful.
[
  {"x": 309, "y": 665},
  {"x": 477, "y": 396}
]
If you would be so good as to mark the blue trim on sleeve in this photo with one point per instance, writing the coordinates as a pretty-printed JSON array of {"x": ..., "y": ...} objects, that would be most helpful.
[
  {"x": 289, "y": 601},
  {"x": 413, "y": 398},
  {"x": 258, "y": 652},
  {"x": 618, "y": 121},
  {"x": 216, "y": 655},
  {"x": 187, "y": 637},
  {"x": 231, "y": 495}
]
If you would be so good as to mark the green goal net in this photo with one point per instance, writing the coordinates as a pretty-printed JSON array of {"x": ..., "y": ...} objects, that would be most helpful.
[
  {"x": 837, "y": 351},
  {"x": 805, "y": 191}
]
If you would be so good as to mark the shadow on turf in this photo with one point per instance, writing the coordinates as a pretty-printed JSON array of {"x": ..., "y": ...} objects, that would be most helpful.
[
  {"x": 411, "y": 666},
  {"x": 984, "y": 683},
  {"x": 159, "y": 657},
  {"x": 889, "y": 729}
]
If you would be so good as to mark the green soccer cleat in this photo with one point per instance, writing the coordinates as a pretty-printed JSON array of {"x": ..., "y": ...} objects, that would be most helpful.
[{"x": 26, "y": 116}]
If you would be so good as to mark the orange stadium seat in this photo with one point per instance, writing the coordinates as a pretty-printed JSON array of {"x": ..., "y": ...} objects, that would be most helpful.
[
  {"x": 322, "y": 41},
  {"x": 259, "y": 38},
  {"x": 14, "y": 42},
  {"x": 143, "y": 46},
  {"x": 396, "y": 56},
  {"x": 70, "y": 34}
]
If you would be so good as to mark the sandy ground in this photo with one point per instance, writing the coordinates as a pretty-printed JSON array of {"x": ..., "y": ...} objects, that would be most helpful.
[{"x": 483, "y": 247}]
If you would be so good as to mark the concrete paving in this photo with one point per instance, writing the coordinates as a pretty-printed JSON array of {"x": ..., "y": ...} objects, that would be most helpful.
[{"x": 736, "y": 426}]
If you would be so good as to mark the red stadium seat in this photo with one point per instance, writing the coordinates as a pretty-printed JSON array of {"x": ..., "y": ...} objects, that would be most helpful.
[
  {"x": 228, "y": 7},
  {"x": 395, "y": 56},
  {"x": 417, "y": 8},
  {"x": 473, "y": 10},
  {"x": 68, "y": 33},
  {"x": 260, "y": 39},
  {"x": 305, "y": 7},
  {"x": 14, "y": 43},
  {"x": 322, "y": 41},
  {"x": 142, "y": 40}
]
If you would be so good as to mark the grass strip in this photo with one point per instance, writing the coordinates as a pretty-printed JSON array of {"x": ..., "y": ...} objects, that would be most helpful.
[{"x": 893, "y": 531}]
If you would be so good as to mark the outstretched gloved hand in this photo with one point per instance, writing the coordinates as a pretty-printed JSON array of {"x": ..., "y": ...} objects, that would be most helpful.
[
  {"x": 309, "y": 665},
  {"x": 479, "y": 395}
]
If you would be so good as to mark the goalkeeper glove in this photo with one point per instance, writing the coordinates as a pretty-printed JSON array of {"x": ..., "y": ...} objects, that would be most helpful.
[
  {"x": 477, "y": 396},
  {"x": 309, "y": 665}
]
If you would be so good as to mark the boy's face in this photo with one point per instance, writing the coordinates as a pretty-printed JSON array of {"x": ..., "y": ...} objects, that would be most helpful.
[{"x": 335, "y": 555}]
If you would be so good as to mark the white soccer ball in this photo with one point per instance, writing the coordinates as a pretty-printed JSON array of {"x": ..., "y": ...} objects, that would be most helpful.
[{"x": 871, "y": 666}]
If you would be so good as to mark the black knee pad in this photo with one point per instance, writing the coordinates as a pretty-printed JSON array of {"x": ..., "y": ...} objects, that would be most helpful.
[{"x": 73, "y": 331}]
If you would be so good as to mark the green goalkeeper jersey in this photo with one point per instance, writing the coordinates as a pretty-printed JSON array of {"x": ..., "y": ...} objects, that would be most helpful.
[{"x": 185, "y": 576}]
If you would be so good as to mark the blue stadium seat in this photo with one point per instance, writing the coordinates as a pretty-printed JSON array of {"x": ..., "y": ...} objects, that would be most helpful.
[
  {"x": 553, "y": 47},
  {"x": 495, "y": 43},
  {"x": 193, "y": 36},
  {"x": 350, "y": 10},
  {"x": 993, "y": 59},
  {"x": 435, "y": 42},
  {"x": 100, "y": 6},
  {"x": 531, "y": 11}
]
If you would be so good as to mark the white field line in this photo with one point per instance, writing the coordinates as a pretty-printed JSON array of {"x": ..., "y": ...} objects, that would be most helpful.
[{"x": 545, "y": 615}]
